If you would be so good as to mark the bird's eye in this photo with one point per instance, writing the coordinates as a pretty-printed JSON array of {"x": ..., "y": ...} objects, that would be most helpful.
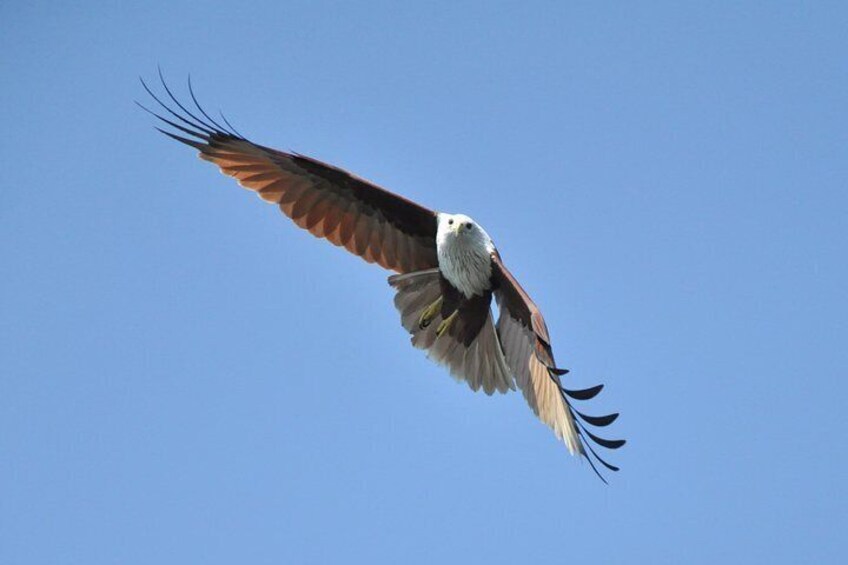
[
  {"x": 450, "y": 222},
  {"x": 469, "y": 225}
]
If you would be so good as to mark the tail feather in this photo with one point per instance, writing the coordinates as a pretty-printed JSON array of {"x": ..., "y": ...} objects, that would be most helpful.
[{"x": 480, "y": 363}]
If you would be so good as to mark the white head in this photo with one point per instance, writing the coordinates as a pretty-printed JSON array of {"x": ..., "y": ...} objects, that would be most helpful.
[{"x": 459, "y": 229}]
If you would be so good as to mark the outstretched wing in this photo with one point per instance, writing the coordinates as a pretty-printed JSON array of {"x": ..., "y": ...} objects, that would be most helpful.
[
  {"x": 527, "y": 348},
  {"x": 371, "y": 222}
]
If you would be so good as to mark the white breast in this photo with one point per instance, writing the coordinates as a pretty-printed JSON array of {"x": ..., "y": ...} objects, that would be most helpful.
[{"x": 466, "y": 261}]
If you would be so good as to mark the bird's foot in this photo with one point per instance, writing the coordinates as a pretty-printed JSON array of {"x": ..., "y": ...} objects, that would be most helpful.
[
  {"x": 429, "y": 313},
  {"x": 446, "y": 324}
]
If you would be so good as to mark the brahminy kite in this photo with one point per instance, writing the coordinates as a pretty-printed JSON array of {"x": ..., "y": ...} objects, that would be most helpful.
[{"x": 447, "y": 270}]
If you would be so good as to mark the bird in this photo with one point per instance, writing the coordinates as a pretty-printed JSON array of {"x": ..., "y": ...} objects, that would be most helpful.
[{"x": 447, "y": 269}]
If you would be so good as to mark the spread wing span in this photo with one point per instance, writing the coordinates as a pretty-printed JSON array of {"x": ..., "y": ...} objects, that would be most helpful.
[
  {"x": 527, "y": 349},
  {"x": 400, "y": 235},
  {"x": 369, "y": 221}
]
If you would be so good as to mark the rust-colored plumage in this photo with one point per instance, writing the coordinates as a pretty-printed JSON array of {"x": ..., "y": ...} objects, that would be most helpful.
[
  {"x": 369, "y": 221},
  {"x": 454, "y": 326},
  {"x": 527, "y": 348}
]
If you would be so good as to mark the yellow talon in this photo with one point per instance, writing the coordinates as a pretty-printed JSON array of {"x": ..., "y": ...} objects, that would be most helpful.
[
  {"x": 429, "y": 313},
  {"x": 446, "y": 324}
]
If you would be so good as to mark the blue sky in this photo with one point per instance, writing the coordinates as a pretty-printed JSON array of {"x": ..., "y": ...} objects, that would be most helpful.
[{"x": 187, "y": 377}]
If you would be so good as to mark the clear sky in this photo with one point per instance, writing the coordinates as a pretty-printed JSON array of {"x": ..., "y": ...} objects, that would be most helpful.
[{"x": 188, "y": 378}]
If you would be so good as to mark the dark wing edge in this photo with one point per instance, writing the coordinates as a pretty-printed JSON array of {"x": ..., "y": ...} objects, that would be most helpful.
[
  {"x": 520, "y": 320},
  {"x": 371, "y": 222}
]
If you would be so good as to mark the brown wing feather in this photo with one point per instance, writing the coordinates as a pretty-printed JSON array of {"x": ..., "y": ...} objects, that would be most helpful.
[
  {"x": 470, "y": 349},
  {"x": 527, "y": 348},
  {"x": 371, "y": 222}
]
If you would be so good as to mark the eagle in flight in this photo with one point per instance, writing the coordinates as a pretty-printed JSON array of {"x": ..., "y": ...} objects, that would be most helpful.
[{"x": 447, "y": 270}]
